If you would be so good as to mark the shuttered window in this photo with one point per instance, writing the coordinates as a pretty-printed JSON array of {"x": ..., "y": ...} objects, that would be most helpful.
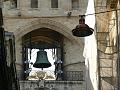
[
  {"x": 75, "y": 4},
  {"x": 54, "y": 3},
  {"x": 34, "y": 3}
]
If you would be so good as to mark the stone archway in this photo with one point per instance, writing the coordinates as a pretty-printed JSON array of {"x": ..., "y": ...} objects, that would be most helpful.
[
  {"x": 46, "y": 23},
  {"x": 74, "y": 44}
]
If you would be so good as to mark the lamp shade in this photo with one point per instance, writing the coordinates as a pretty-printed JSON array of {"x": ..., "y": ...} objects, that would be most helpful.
[{"x": 82, "y": 30}]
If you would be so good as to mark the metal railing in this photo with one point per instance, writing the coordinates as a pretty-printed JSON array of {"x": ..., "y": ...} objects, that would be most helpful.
[{"x": 67, "y": 75}]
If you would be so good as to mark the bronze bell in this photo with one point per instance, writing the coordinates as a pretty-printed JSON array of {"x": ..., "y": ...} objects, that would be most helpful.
[
  {"x": 42, "y": 60},
  {"x": 82, "y": 29}
]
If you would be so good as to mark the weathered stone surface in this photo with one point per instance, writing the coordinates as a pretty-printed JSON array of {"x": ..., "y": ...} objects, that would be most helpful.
[
  {"x": 52, "y": 85},
  {"x": 25, "y": 19}
]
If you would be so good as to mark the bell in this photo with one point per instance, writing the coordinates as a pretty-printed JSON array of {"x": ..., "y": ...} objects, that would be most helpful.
[
  {"x": 42, "y": 60},
  {"x": 82, "y": 29}
]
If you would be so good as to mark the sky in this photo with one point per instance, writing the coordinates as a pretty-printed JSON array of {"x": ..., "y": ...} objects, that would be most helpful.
[{"x": 90, "y": 50}]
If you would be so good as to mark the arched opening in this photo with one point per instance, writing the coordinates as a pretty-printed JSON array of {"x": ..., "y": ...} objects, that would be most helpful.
[
  {"x": 48, "y": 23},
  {"x": 63, "y": 71},
  {"x": 49, "y": 41}
]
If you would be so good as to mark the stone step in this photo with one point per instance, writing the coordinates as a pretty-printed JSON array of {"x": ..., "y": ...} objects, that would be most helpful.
[
  {"x": 106, "y": 72},
  {"x": 102, "y": 35},
  {"x": 110, "y": 80}
]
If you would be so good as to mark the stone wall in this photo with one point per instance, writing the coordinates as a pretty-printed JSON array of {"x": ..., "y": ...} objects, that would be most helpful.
[
  {"x": 73, "y": 46},
  {"x": 52, "y": 85},
  {"x": 24, "y": 19},
  {"x": 44, "y": 8}
]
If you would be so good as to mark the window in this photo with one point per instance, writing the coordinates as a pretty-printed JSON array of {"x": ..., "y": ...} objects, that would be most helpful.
[
  {"x": 13, "y": 4},
  {"x": 54, "y": 3},
  {"x": 75, "y": 4},
  {"x": 52, "y": 44},
  {"x": 34, "y": 3}
]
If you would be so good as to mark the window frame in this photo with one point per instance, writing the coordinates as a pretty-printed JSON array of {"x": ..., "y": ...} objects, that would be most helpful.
[
  {"x": 34, "y": 2},
  {"x": 53, "y": 4},
  {"x": 73, "y": 6}
]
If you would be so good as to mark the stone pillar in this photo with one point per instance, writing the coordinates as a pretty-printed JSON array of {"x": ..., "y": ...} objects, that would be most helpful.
[{"x": 19, "y": 61}]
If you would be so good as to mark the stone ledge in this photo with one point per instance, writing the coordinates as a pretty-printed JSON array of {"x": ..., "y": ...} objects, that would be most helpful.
[{"x": 52, "y": 85}]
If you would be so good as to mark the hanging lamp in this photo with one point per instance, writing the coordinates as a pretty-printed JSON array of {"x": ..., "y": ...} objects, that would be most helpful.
[{"x": 82, "y": 30}]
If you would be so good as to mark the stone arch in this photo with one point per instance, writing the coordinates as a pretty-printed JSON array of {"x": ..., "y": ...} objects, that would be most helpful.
[
  {"x": 77, "y": 44},
  {"x": 46, "y": 23}
]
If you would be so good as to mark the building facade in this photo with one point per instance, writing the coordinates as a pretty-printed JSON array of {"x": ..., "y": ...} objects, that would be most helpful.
[
  {"x": 47, "y": 24},
  {"x": 108, "y": 43}
]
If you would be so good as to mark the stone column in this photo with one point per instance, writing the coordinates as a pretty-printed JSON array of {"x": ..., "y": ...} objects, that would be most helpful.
[{"x": 19, "y": 61}]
